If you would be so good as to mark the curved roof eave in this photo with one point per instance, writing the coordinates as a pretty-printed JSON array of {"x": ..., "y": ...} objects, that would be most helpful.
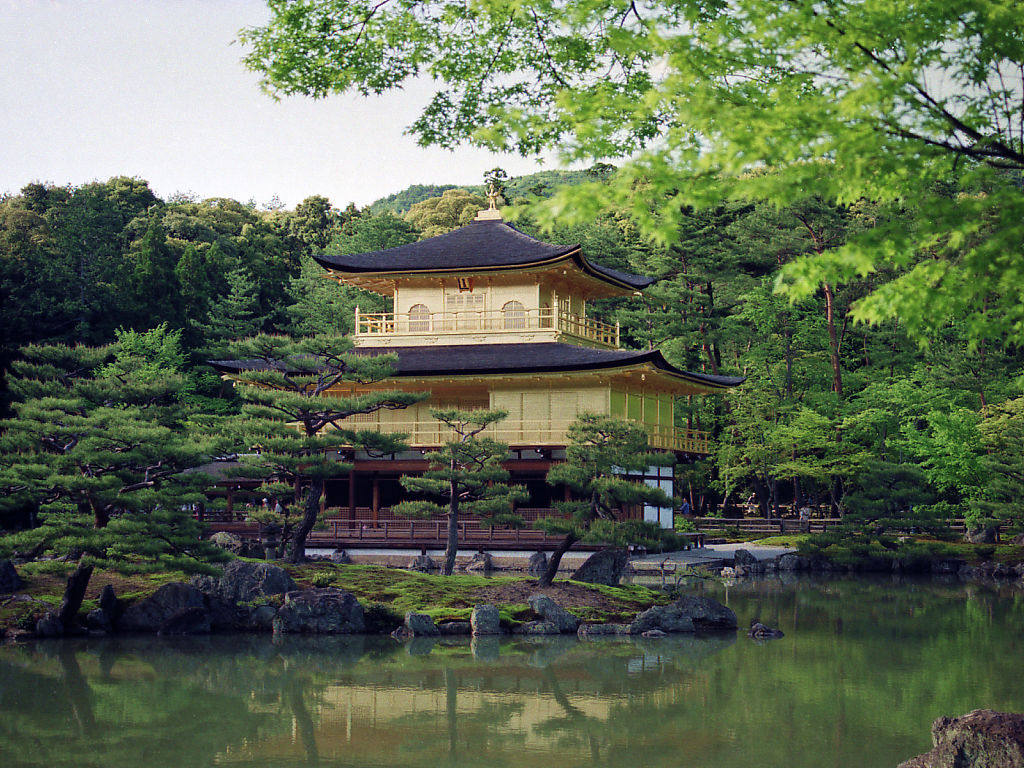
[
  {"x": 514, "y": 359},
  {"x": 483, "y": 246}
]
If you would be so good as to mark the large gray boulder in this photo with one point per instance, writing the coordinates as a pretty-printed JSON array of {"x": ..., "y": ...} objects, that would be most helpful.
[
  {"x": 745, "y": 558},
  {"x": 480, "y": 562},
  {"x": 980, "y": 739},
  {"x": 687, "y": 614},
  {"x": 604, "y": 567},
  {"x": 551, "y": 612},
  {"x": 50, "y": 625},
  {"x": 228, "y": 542},
  {"x": 455, "y": 628},
  {"x": 149, "y": 615},
  {"x": 419, "y": 625},
  {"x": 423, "y": 563},
  {"x": 187, "y": 621},
  {"x": 245, "y": 582},
  {"x": 10, "y": 581},
  {"x": 982, "y": 534},
  {"x": 537, "y": 628},
  {"x": 340, "y": 557},
  {"x": 485, "y": 620},
  {"x": 320, "y": 611},
  {"x": 791, "y": 562},
  {"x": 538, "y": 564},
  {"x": 601, "y": 630}
]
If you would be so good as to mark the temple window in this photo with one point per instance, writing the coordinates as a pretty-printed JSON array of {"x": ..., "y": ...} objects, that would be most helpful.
[
  {"x": 419, "y": 318},
  {"x": 514, "y": 314}
]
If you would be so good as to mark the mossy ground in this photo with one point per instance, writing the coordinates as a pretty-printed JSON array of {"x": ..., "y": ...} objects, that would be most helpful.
[
  {"x": 449, "y": 598},
  {"x": 386, "y": 592},
  {"x": 43, "y": 588}
]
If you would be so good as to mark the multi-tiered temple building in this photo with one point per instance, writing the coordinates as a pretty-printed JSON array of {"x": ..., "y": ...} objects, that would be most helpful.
[{"x": 487, "y": 317}]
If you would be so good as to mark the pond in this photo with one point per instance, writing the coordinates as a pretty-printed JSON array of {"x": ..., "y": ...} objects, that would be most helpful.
[{"x": 864, "y": 668}]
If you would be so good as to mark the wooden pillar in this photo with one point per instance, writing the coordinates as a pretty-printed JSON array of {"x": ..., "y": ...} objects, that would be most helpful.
[
  {"x": 376, "y": 497},
  {"x": 230, "y": 508},
  {"x": 352, "y": 493}
]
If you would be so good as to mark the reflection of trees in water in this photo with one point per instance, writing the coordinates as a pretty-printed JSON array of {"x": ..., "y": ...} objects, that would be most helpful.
[
  {"x": 63, "y": 704},
  {"x": 195, "y": 701}
]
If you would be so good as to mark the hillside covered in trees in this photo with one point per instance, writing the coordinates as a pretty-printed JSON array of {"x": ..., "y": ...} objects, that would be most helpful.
[{"x": 863, "y": 420}]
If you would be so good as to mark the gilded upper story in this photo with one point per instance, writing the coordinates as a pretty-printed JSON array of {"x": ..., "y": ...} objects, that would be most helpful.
[{"x": 484, "y": 283}]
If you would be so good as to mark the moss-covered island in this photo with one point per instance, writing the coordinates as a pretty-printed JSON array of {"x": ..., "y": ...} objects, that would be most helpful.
[{"x": 385, "y": 594}]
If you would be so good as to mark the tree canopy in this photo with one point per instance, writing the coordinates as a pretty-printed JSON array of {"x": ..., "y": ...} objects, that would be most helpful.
[{"x": 916, "y": 103}]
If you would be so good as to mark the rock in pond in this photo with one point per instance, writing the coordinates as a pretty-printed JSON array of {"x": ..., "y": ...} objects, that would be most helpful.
[
  {"x": 687, "y": 614},
  {"x": 320, "y": 611},
  {"x": 422, "y": 563},
  {"x": 551, "y": 612},
  {"x": 537, "y": 628},
  {"x": 245, "y": 582},
  {"x": 604, "y": 567},
  {"x": 149, "y": 615},
  {"x": 418, "y": 625},
  {"x": 455, "y": 628},
  {"x": 743, "y": 558},
  {"x": 481, "y": 562},
  {"x": 759, "y": 631},
  {"x": 340, "y": 557},
  {"x": 601, "y": 630},
  {"x": 485, "y": 620},
  {"x": 187, "y": 621},
  {"x": 980, "y": 739},
  {"x": 538, "y": 564}
]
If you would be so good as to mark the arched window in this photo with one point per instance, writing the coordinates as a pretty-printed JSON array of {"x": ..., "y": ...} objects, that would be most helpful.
[
  {"x": 419, "y": 318},
  {"x": 514, "y": 314}
]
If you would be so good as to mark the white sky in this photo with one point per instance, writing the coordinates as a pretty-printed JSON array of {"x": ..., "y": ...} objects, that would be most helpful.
[{"x": 91, "y": 89}]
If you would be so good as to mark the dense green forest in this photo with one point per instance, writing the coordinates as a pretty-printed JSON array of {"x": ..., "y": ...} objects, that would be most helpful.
[{"x": 858, "y": 419}]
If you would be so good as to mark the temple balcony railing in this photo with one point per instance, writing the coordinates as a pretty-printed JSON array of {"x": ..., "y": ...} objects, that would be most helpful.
[
  {"x": 503, "y": 324},
  {"x": 531, "y": 433}
]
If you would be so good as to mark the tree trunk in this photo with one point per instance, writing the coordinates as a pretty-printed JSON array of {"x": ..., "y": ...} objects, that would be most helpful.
[
  {"x": 452, "y": 549},
  {"x": 556, "y": 560},
  {"x": 310, "y": 513},
  {"x": 833, "y": 340},
  {"x": 74, "y": 593}
]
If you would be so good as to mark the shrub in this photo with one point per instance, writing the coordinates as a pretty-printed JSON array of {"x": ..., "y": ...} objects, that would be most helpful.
[{"x": 322, "y": 579}]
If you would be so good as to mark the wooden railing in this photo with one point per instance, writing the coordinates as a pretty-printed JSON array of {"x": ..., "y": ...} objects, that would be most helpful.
[
  {"x": 416, "y": 532},
  {"x": 764, "y": 526},
  {"x": 533, "y": 432},
  {"x": 497, "y": 321}
]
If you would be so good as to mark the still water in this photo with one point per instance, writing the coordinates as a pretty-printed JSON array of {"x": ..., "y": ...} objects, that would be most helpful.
[{"x": 864, "y": 668}]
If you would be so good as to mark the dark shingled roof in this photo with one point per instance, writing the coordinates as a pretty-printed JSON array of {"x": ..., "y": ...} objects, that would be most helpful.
[
  {"x": 480, "y": 245},
  {"x": 549, "y": 357}
]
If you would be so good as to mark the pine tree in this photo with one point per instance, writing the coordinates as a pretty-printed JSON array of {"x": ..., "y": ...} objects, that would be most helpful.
[
  {"x": 193, "y": 283},
  {"x": 601, "y": 451},
  {"x": 297, "y": 394},
  {"x": 233, "y": 315},
  {"x": 320, "y": 305},
  {"x": 97, "y": 450},
  {"x": 467, "y": 473}
]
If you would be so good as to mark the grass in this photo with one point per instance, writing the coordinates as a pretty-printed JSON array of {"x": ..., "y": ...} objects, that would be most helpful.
[
  {"x": 792, "y": 540},
  {"x": 401, "y": 590}
]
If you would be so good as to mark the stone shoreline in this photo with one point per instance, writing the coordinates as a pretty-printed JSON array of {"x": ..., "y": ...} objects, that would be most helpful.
[{"x": 262, "y": 597}]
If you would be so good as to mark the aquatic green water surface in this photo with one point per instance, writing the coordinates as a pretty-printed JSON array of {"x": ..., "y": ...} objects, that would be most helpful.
[{"x": 863, "y": 670}]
